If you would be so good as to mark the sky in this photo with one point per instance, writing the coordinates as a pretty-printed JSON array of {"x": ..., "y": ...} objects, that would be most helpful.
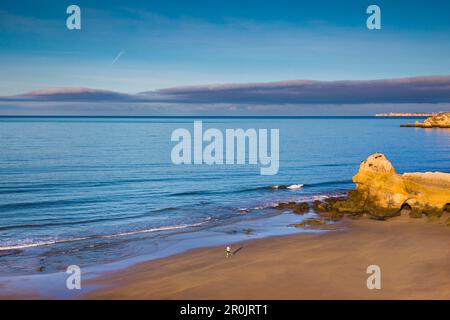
[{"x": 129, "y": 47}]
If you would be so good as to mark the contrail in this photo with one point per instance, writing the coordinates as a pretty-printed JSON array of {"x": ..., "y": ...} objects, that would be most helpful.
[{"x": 118, "y": 56}]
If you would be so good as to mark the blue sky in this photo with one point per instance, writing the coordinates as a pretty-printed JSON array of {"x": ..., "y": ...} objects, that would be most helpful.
[
  {"x": 136, "y": 46},
  {"x": 172, "y": 43}
]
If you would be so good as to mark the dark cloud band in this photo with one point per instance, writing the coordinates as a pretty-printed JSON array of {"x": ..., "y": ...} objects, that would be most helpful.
[{"x": 434, "y": 89}]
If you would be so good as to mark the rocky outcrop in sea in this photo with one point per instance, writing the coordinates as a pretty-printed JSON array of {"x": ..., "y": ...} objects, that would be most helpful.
[
  {"x": 382, "y": 193},
  {"x": 441, "y": 120}
]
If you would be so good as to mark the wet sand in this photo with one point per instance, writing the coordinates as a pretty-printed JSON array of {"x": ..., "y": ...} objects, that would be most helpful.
[{"x": 413, "y": 255}]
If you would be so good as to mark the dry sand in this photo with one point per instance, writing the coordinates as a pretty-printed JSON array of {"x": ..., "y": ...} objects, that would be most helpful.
[{"x": 413, "y": 255}]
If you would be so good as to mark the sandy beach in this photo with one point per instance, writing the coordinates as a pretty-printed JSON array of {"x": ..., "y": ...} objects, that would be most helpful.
[{"x": 413, "y": 256}]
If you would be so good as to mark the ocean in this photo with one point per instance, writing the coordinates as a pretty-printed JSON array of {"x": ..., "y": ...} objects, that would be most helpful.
[{"x": 92, "y": 191}]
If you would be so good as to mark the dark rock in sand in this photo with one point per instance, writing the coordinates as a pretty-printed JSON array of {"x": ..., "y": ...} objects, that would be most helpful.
[
  {"x": 297, "y": 207},
  {"x": 302, "y": 208},
  {"x": 309, "y": 222},
  {"x": 320, "y": 206}
]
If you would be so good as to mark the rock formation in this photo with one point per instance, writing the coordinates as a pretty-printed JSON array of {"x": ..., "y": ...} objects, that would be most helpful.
[
  {"x": 441, "y": 120},
  {"x": 382, "y": 193},
  {"x": 296, "y": 207}
]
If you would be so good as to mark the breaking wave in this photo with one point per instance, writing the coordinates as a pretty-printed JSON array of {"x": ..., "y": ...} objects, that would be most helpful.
[{"x": 115, "y": 235}]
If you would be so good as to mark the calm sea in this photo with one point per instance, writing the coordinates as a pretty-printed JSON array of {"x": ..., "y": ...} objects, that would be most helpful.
[{"x": 90, "y": 191}]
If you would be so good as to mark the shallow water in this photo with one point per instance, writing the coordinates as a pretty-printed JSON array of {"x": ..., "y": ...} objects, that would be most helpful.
[{"x": 90, "y": 191}]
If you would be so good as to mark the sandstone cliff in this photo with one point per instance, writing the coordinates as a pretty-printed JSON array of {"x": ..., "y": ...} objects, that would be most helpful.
[{"x": 381, "y": 192}]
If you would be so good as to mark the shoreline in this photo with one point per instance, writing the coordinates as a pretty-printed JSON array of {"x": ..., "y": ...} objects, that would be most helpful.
[
  {"x": 290, "y": 255},
  {"x": 412, "y": 254},
  {"x": 52, "y": 285}
]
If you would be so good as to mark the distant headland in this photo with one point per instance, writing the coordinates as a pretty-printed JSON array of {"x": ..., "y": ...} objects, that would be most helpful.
[{"x": 407, "y": 114}]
